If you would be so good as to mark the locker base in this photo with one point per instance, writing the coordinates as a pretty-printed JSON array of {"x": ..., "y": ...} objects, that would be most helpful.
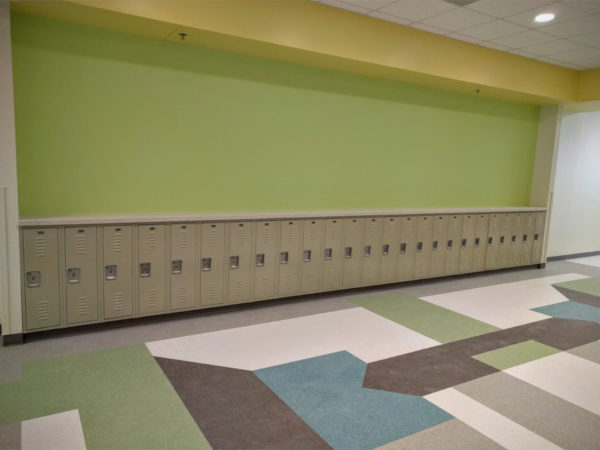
[
  {"x": 541, "y": 265},
  {"x": 12, "y": 339}
]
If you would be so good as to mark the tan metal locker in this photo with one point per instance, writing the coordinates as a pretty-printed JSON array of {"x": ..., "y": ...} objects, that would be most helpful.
[
  {"x": 515, "y": 239},
  {"x": 453, "y": 243},
  {"x": 240, "y": 262},
  {"x": 538, "y": 238},
  {"x": 353, "y": 248},
  {"x": 504, "y": 238},
  {"x": 40, "y": 261},
  {"x": 467, "y": 238},
  {"x": 183, "y": 266},
  {"x": 390, "y": 248},
  {"x": 81, "y": 269},
  {"x": 438, "y": 245},
  {"x": 526, "y": 237},
  {"x": 289, "y": 257},
  {"x": 407, "y": 248},
  {"x": 265, "y": 260},
  {"x": 372, "y": 251},
  {"x": 212, "y": 264},
  {"x": 152, "y": 273},
  {"x": 312, "y": 255},
  {"x": 332, "y": 255},
  {"x": 482, "y": 224},
  {"x": 491, "y": 256},
  {"x": 424, "y": 246},
  {"x": 117, "y": 273}
]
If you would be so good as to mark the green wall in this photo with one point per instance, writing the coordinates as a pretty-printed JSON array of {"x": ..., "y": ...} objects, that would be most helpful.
[{"x": 112, "y": 123}]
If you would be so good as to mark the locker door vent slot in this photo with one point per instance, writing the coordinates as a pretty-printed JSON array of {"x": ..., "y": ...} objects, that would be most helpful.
[
  {"x": 328, "y": 254},
  {"x": 234, "y": 262},
  {"x": 449, "y": 244},
  {"x": 490, "y": 240},
  {"x": 260, "y": 260},
  {"x": 110, "y": 272},
  {"x": 403, "y": 247},
  {"x": 348, "y": 252},
  {"x": 434, "y": 245},
  {"x": 34, "y": 279},
  {"x": 284, "y": 257},
  {"x": 386, "y": 249},
  {"x": 176, "y": 266},
  {"x": 463, "y": 243},
  {"x": 73, "y": 275},
  {"x": 419, "y": 246},
  {"x": 307, "y": 255},
  {"x": 477, "y": 241},
  {"x": 206, "y": 264},
  {"x": 367, "y": 252},
  {"x": 145, "y": 270}
]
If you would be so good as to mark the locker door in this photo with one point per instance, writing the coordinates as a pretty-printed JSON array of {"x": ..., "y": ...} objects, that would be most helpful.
[
  {"x": 372, "y": 251},
  {"x": 265, "y": 260},
  {"x": 538, "y": 238},
  {"x": 453, "y": 244},
  {"x": 312, "y": 255},
  {"x": 491, "y": 257},
  {"x": 152, "y": 273},
  {"x": 81, "y": 268},
  {"x": 424, "y": 246},
  {"x": 407, "y": 248},
  {"x": 482, "y": 224},
  {"x": 117, "y": 274},
  {"x": 241, "y": 262},
  {"x": 289, "y": 256},
  {"x": 438, "y": 245},
  {"x": 506, "y": 221},
  {"x": 467, "y": 238},
  {"x": 183, "y": 266},
  {"x": 515, "y": 239},
  {"x": 529, "y": 220},
  {"x": 332, "y": 258},
  {"x": 212, "y": 264},
  {"x": 390, "y": 248},
  {"x": 353, "y": 248},
  {"x": 40, "y": 261}
]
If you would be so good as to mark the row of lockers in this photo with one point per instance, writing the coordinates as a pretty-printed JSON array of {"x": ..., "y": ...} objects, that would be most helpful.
[{"x": 77, "y": 275}]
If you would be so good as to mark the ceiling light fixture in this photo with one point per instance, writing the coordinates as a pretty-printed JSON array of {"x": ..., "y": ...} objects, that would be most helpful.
[{"x": 545, "y": 17}]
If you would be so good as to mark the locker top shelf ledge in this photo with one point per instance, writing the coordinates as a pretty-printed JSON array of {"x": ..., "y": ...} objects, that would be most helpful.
[{"x": 26, "y": 222}]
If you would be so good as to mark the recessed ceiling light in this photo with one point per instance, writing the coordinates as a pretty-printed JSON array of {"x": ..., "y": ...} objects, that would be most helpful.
[{"x": 545, "y": 17}]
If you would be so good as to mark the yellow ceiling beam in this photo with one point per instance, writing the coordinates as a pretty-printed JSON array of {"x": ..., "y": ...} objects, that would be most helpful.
[
  {"x": 311, "y": 33},
  {"x": 589, "y": 86}
]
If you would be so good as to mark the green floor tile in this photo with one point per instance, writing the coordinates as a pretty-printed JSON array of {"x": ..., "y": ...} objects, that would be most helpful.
[
  {"x": 124, "y": 399},
  {"x": 513, "y": 355},
  {"x": 423, "y": 317},
  {"x": 588, "y": 285}
]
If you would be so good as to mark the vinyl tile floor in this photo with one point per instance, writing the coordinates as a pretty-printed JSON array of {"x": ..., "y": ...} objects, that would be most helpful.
[{"x": 508, "y": 359}]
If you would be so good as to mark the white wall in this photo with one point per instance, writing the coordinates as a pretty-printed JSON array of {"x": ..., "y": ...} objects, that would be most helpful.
[
  {"x": 575, "y": 215},
  {"x": 10, "y": 282}
]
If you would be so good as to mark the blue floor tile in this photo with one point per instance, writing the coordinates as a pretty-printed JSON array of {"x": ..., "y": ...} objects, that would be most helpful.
[{"x": 571, "y": 310}]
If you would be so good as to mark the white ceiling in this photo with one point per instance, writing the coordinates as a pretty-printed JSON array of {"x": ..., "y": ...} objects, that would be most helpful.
[{"x": 571, "y": 40}]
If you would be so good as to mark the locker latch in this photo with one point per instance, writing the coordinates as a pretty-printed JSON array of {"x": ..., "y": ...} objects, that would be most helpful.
[
  {"x": 367, "y": 251},
  {"x": 514, "y": 239},
  {"x": 449, "y": 244},
  {"x": 110, "y": 272},
  {"x": 328, "y": 254},
  {"x": 464, "y": 243},
  {"x": 283, "y": 257},
  {"x": 501, "y": 240},
  {"x": 234, "y": 262},
  {"x": 403, "y": 248},
  {"x": 434, "y": 245},
  {"x": 206, "y": 264},
  {"x": 34, "y": 279},
  {"x": 176, "y": 266},
  {"x": 307, "y": 255},
  {"x": 477, "y": 241},
  {"x": 490, "y": 240},
  {"x": 145, "y": 270},
  {"x": 524, "y": 238},
  {"x": 386, "y": 249},
  {"x": 536, "y": 237},
  {"x": 348, "y": 252},
  {"x": 73, "y": 275},
  {"x": 419, "y": 246},
  {"x": 260, "y": 260}
]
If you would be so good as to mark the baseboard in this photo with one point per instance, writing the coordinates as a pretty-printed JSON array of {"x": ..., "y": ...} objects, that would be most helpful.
[
  {"x": 573, "y": 255},
  {"x": 12, "y": 339}
]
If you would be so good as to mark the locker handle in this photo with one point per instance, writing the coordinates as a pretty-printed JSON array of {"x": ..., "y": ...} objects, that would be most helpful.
[
  {"x": 477, "y": 241},
  {"x": 206, "y": 264},
  {"x": 328, "y": 254},
  {"x": 403, "y": 248},
  {"x": 524, "y": 238},
  {"x": 34, "y": 279},
  {"x": 449, "y": 244},
  {"x": 73, "y": 275},
  {"x": 176, "y": 266},
  {"x": 283, "y": 257},
  {"x": 514, "y": 239},
  {"x": 234, "y": 262},
  {"x": 260, "y": 259},
  {"x": 490, "y": 240},
  {"x": 434, "y": 245},
  {"x": 536, "y": 237},
  {"x": 463, "y": 244},
  {"x": 307, "y": 255},
  {"x": 145, "y": 270},
  {"x": 110, "y": 272},
  {"x": 367, "y": 251},
  {"x": 419, "y": 246},
  {"x": 348, "y": 252},
  {"x": 386, "y": 249},
  {"x": 501, "y": 240}
]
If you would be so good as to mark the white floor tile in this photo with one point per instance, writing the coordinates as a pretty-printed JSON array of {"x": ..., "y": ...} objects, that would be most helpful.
[
  {"x": 505, "y": 305},
  {"x": 366, "y": 335},
  {"x": 54, "y": 432},
  {"x": 587, "y": 260},
  {"x": 567, "y": 376},
  {"x": 497, "y": 427}
]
